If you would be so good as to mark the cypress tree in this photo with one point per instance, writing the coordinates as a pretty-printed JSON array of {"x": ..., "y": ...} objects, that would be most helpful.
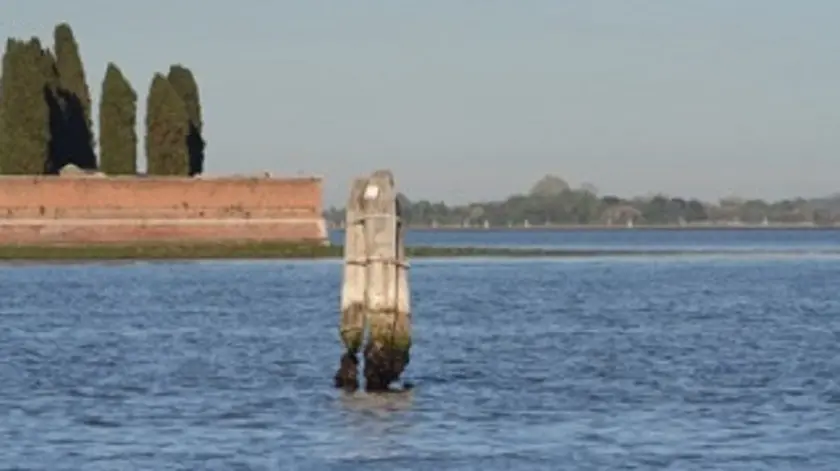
[
  {"x": 50, "y": 91},
  {"x": 183, "y": 80},
  {"x": 76, "y": 138},
  {"x": 28, "y": 74},
  {"x": 167, "y": 128},
  {"x": 117, "y": 124},
  {"x": 5, "y": 96},
  {"x": 2, "y": 129}
]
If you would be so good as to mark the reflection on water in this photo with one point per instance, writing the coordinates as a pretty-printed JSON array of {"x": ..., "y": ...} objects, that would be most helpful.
[
  {"x": 378, "y": 422},
  {"x": 377, "y": 405}
]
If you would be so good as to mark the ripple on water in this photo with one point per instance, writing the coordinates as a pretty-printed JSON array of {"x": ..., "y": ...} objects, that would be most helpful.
[{"x": 685, "y": 363}]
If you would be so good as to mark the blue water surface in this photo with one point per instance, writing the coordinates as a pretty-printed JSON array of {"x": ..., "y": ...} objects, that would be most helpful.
[
  {"x": 701, "y": 240},
  {"x": 668, "y": 362}
]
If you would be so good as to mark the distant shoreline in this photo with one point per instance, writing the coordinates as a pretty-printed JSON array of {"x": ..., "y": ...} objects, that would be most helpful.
[
  {"x": 604, "y": 227},
  {"x": 13, "y": 254}
]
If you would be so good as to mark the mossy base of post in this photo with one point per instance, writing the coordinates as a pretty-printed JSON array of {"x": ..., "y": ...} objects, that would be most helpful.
[
  {"x": 384, "y": 363},
  {"x": 347, "y": 376},
  {"x": 352, "y": 334}
]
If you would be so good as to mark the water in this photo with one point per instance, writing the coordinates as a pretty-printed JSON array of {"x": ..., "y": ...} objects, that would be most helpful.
[
  {"x": 784, "y": 240},
  {"x": 703, "y": 362}
]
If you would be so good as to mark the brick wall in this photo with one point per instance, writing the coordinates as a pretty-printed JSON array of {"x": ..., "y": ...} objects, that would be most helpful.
[{"x": 125, "y": 209}]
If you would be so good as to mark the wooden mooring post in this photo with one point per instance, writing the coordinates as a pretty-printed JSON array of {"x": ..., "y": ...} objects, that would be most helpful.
[{"x": 375, "y": 293}]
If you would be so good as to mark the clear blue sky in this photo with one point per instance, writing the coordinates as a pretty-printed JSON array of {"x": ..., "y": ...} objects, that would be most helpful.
[{"x": 473, "y": 99}]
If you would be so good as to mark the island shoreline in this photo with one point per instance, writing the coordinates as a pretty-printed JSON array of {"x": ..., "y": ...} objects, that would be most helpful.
[
  {"x": 640, "y": 227},
  {"x": 188, "y": 251}
]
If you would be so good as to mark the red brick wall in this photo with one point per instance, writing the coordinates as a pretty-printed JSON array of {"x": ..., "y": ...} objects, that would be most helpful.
[{"x": 125, "y": 209}]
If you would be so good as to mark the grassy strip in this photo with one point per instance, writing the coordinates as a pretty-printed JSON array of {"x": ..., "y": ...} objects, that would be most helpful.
[
  {"x": 167, "y": 251},
  {"x": 264, "y": 250}
]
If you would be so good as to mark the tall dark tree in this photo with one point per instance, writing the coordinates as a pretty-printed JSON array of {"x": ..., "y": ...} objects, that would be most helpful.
[
  {"x": 28, "y": 78},
  {"x": 75, "y": 138},
  {"x": 117, "y": 124},
  {"x": 56, "y": 122},
  {"x": 5, "y": 95},
  {"x": 183, "y": 80},
  {"x": 167, "y": 128},
  {"x": 2, "y": 130}
]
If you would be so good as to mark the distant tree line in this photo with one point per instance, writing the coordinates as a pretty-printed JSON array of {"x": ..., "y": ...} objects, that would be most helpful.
[
  {"x": 46, "y": 124},
  {"x": 551, "y": 201}
]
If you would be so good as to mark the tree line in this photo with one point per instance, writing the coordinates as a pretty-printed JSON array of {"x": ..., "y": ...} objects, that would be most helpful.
[
  {"x": 551, "y": 201},
  {"x": 46, "y": 121}
]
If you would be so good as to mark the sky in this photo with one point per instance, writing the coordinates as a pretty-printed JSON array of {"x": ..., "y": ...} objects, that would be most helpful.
[{"x": 470, "y": 100}]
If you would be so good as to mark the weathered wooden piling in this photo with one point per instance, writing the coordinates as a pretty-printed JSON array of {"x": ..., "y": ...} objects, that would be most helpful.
[
  {"x": 352, "y": 328},
  {"x": 375, "y": 290}
]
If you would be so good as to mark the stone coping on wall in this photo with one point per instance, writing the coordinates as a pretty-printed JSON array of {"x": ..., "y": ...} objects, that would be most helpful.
[
  {"x": 175, "y": 212},
  {"x": 142, "y": 177}
]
